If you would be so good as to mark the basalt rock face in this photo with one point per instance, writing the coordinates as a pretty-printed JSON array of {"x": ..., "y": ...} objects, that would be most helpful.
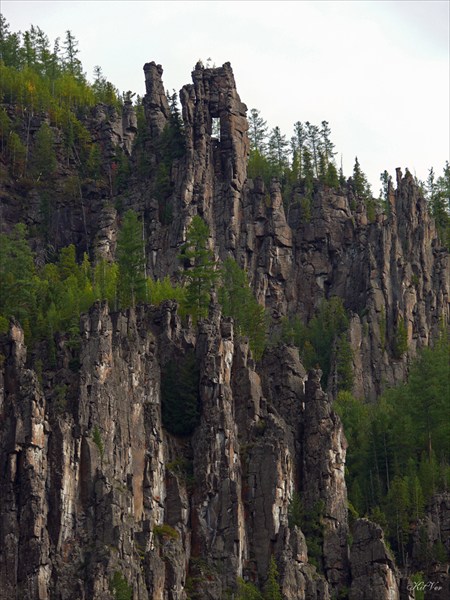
[
  {"x": 372, "y": 566},
  {"x": 93, "y": 485},
  {"x": 96, "y": 493},
  {"x": 389, "y": 269}
]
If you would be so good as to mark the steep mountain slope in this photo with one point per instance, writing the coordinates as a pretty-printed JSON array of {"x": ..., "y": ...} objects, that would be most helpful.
[{"x": 99, "y": 499}]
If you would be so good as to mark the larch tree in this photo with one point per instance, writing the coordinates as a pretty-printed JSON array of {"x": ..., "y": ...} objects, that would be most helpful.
[
  {"x": 257, "y": 132},
  {"x": 131, "y": 260},
  {"x": 200, "y": 268}
]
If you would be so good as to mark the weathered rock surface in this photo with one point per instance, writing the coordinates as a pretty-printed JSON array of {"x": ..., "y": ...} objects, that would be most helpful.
[
  {"x": 92, "y": 484},
  {"x": 390, "y": 271},
  {"x": 373, "y": 571},
  {"x": 89, "y": 489}
]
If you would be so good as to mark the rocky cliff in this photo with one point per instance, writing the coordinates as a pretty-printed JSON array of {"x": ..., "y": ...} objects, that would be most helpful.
[{"x": 98, "y": 497}]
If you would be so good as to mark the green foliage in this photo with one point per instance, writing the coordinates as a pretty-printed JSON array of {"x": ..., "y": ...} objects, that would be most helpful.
[
  {"x": 51, "y": 298},
  {"x": 278, "y": 152},
  {"x": 44, "y": 156},
  {"x": 165, "y": 532},
  {"x": 400, "y": 339},
  {"x": 120, "y": 587},
  {"x": 310, "y": 522},
  {"x": 360, "y": 183},
  {"x": 60, "y": 395},
  {"x": 163, "y": 289},
  {"x": 311, "y": 157},
  {"x": 19, "y": 287},
  {"x": 200, "y": 269},
  {"x": 16, "y": 153},
  {"x": 438, "y": 196},
  {"x": 97, "y": 438},
  {"x": 398, "y": 449},
  {"x": 34, "y": 79},
  {"x": 295, "y": 511},
  {"x": 259, "y": 166},
  {"x": 272, "y": 587},
  {"x": 131, "y": 261},
  {"x": 33, "y": 76},
  {"x": 247, "y": 591},
  {"x": 180, "y": 406},
  {"x": 106, "y": 281},
  {"x": 332, "y": 177},
  {"x": 169, "y": 147},
  {"x": 316, "y": 340},
  {"x": 386, "y": 182},
  {"x": 120, "y": 169},
  {"x": 257, "y": 132},
  {"x": 238, "y": 302},
  {"x": 305, "y": 205},
  {"x": 418, "y": 585},
  {"x": 344, "y": 363}
]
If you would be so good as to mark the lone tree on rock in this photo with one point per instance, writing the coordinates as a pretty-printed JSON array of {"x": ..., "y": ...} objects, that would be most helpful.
[
  {"x": 200, "y": 265},
  {"x": 131, "y": 261}
]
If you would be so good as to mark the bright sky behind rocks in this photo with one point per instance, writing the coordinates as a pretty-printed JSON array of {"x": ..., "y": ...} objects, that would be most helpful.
[{"x": 378, "y": 72}]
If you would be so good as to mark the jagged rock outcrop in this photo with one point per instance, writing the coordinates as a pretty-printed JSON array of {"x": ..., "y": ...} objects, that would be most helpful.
[
  {"x": 390, "y": 270},
  {"x": 373, "y": 570},
  {"x": 90, "y": 476},
  {"x": 324, "y": 449},
  {"x": 95, "y": 490}
]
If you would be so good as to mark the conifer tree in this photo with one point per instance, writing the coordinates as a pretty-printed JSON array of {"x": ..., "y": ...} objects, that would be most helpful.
[
  {"x": 200, "y": 268},
  {"x": 308, "y": 174},
  {"x": 272, "y": 587},
  {"x": 247, "y": 591},
  {"x": 18, "y": 286},
  {"x": 278, "y": 151},
  {"x": 438, "y": 196},
  {"x": 257, "y": 132},
  {"x": 360, "y": 183},
  {"x": 331, "y": 177},
  {"x": 44, "y": 156},
  {"x": 313, "y": 141},
  {"x": 326, "y": 144},
  {"x": 71, "y": 60},
  {"x": 298, "y": 143},
  {"x": 131, "y": 261},
  {"x": 238, "y": 302}
]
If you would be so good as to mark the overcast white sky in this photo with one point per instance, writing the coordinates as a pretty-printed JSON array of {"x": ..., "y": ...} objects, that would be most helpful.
[{"x": 377, "y": 71}]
